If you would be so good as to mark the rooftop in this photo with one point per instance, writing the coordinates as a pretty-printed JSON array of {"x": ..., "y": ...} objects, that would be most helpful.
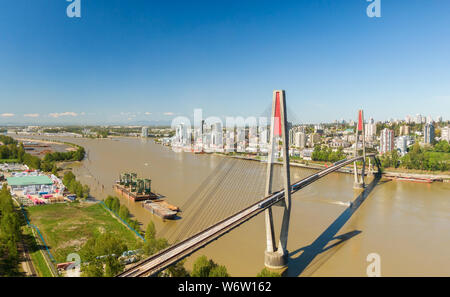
[{"x": 29, "y": 180}]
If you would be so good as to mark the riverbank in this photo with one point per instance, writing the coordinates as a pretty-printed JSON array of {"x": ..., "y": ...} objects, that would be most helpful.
[{"x": 389, "y": 172}]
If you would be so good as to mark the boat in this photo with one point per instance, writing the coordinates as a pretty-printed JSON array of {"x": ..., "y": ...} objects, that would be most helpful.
[
  {"x": 161, "y": 208},
  {"x": 167, "y": 205}
]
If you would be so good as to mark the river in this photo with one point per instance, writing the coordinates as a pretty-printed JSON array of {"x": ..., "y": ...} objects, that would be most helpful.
[{"x": 406, "y": 224}]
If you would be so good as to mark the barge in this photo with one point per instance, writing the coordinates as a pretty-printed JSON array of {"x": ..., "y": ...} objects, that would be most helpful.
[
  {"x": 161, "y": 208},
  {"x": 133, "y": 188},
  {"x": 412, "y": 179}
]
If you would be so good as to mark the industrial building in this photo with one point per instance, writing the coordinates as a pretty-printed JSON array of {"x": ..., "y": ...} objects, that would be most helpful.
[{"x": 29, "y": 182}]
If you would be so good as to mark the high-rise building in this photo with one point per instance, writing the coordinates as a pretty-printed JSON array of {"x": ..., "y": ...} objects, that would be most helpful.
[
  {"x": 241, "y": 139},
  {"x": 428, "y": 133},
  {"x": 230, "y": 143},
  {"x": 217, "y": 136},
  {"x": 182, "y": 136},
  {"x": 408, "y": 119},
  {"x": 445, "y": 133},
  {"x": 314, "y": 138},
  {"x": 291, "y": 137},
  {"x": 401, "y": 144},
  {"x": 263, "y": 133},
  {"x": 418, "y": 118},
  {"x": 300, "y": 140},
  {"x": 252, "y": 138},
  {"x": 371, "y": 129},
  {"x": 404, "y": 130},
  {"x": 144, "y": 132},
  {"x": 386, "y": 141}
]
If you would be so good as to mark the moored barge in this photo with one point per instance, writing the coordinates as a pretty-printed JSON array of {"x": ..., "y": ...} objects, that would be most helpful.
[
  {"x": 412, "y": 178},
  {"x": 161, "y": 208},
  {"x": 133, "y": 188}
]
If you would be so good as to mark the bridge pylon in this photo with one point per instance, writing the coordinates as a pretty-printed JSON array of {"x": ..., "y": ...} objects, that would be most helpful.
[
  {"x": 360, "y": 129},
  {"x": 276, "y": 256},
  {"x": 371, "y": 171}
]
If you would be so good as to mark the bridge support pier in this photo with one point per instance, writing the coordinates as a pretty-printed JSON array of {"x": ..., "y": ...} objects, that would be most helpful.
[
  {"x": 370, "y": 171},
  {"x": 276, "y": 260},
  {"x": 358, "y": 185}
]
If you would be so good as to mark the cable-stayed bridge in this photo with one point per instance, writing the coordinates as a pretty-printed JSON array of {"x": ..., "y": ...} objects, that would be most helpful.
[{"x": 177, "y": 252}]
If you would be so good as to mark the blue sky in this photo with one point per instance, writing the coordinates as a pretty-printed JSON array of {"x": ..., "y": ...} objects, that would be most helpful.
[{"x": 129, "y": 61}]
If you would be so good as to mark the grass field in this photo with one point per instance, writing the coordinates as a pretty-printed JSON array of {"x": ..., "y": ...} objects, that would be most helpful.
[
  {"x": 66, "y": 227},
  {"x": 36, "y": 254}
]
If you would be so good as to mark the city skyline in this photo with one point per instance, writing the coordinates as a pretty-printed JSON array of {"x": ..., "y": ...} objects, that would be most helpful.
[
  {"x": 134, "y": 120},
  {"x": 156, "y": 61}
]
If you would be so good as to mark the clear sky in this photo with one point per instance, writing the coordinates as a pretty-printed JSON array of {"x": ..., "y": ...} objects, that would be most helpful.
[{"x": 128, "y": 61}]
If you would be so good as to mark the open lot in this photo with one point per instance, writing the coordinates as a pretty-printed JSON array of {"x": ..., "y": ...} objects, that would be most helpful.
[{"x": 66, "y": 227}]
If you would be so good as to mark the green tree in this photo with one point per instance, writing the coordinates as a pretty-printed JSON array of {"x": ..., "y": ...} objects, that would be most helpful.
[
  {"x": 93, "y": 269},
  {"x": 150, "y": 233},
  {"x": 10, "y": 235},
  {"x": 108, "y": 201},
  {"x": 68, "y": 177},
  {"x": 178, "y": 270},
  {"x": 153, "y": 246},
  {"x": 103, "y": 251},
  {"x": 124, "y": 213},
  {"x": 208, "y": 268},
  {"x": 113, "y": 266},
  {"x": 115, "y": 204},
  {"x": 86, "y": 191},
  {"x": 267, "y": 273},
  {"x": 202, "y": 267},
  {"x": 219, "y": 271}
]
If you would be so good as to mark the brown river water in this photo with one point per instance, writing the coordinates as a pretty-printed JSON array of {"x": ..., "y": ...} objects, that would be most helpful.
[{"x": 407, "y": 224}]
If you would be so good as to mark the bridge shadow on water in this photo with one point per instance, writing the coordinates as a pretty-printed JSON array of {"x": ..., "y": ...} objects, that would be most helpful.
[{"x": 299, "y": 265}]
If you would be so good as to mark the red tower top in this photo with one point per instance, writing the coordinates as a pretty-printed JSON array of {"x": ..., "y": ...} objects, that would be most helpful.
[
  {"x": 360, "y": 123},
  {"x": 277, "y": 127}
]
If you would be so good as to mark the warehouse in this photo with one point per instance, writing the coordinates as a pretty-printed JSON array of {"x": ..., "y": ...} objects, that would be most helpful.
[{"x": 36, "y": 183}]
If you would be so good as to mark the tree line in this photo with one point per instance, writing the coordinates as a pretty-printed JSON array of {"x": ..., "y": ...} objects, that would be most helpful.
[
  {"x": 11, "y": 149},
  {"x": 10, "y": 234},
  {"x": 430, "y": 159},
  {"x": 113, "y": 203},
  {"x": 73, "y": 186},
  {"x": 326, "y": 154}
]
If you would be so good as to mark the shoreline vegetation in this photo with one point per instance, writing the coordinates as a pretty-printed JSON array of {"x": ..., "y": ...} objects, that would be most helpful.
[{"x": 319, "y": 165}]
